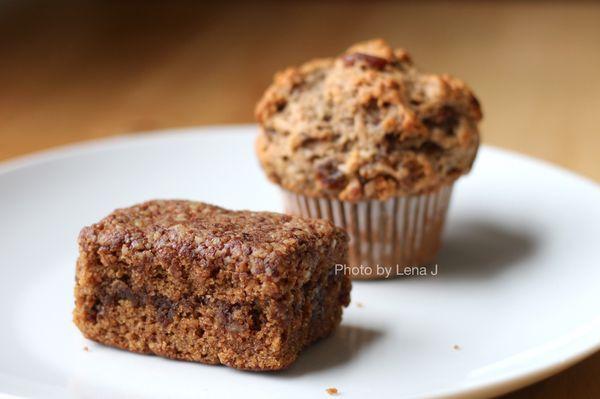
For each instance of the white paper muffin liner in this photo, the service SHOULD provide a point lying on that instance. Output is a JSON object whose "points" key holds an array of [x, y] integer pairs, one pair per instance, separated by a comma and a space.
{"points": [[394, 234]]}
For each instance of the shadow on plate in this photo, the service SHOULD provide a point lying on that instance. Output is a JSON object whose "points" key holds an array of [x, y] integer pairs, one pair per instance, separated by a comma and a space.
{"points": [[481, 249], [344, 345]]}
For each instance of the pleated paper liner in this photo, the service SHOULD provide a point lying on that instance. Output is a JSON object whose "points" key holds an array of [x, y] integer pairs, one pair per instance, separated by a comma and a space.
{"points": [[394, 234]]}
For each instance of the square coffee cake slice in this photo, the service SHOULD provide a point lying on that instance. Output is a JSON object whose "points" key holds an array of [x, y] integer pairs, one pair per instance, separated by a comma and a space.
{"points": [[191, 281]]}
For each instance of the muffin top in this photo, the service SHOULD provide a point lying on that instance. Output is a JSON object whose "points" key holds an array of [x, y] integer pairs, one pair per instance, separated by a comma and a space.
{"points": [[366, 125]]}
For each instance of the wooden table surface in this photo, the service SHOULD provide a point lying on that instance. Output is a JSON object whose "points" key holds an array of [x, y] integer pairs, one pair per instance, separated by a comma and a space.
{"points": [[72, 71]]}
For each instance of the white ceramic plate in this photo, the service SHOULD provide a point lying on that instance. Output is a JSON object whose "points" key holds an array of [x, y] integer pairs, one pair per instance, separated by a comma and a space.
{"points": [[517, 288]]}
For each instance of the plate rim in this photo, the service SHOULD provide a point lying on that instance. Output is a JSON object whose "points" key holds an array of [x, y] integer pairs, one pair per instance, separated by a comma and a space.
{"points": [[58, 152]]}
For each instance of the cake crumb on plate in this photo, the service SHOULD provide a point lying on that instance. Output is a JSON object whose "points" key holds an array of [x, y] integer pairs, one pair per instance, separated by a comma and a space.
{"points": [[332, 391]]}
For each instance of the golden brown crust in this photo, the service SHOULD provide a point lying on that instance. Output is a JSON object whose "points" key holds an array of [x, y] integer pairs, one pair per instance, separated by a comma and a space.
{"points": [[191, 281], [366, 125]]}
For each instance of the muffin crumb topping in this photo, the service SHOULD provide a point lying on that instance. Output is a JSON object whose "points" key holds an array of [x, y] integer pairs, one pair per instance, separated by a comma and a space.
{"points": [[366, 125]]}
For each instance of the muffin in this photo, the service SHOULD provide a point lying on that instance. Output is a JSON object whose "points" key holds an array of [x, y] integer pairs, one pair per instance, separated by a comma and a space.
{"points": [[369, 142]]}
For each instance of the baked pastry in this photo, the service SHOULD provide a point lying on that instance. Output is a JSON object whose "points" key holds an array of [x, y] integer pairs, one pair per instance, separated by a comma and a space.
{"points": [[191, 281], [372, 143]]}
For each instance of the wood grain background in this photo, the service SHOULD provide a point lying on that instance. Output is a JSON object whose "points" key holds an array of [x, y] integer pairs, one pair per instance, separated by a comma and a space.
{"points": [[72, 71]]}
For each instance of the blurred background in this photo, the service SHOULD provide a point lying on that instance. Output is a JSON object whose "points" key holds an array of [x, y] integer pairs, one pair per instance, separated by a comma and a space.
{"points": [[73, 71]]}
